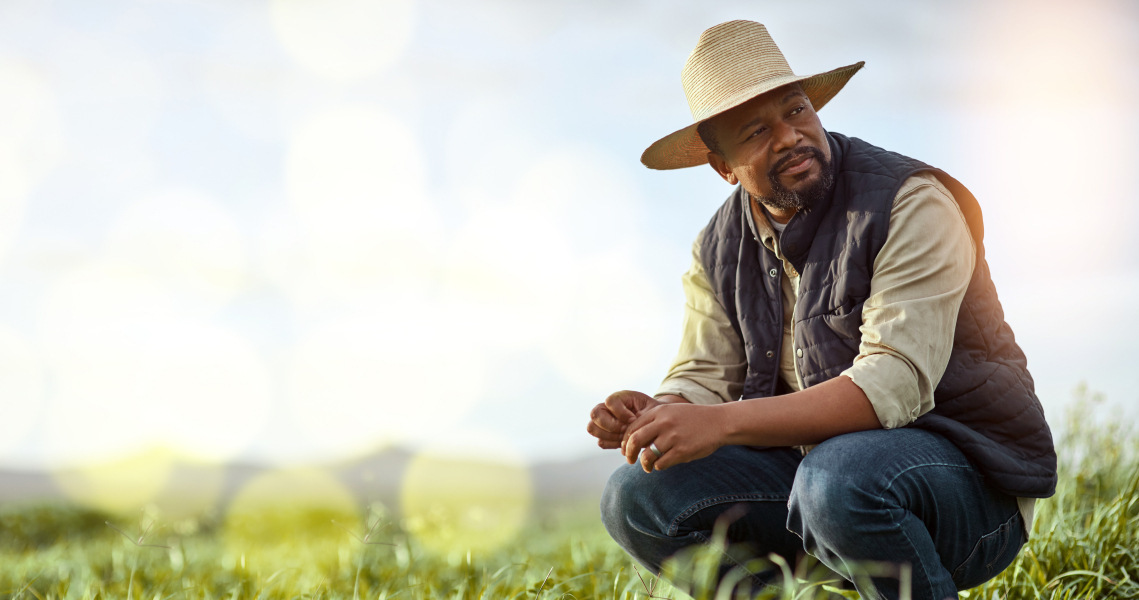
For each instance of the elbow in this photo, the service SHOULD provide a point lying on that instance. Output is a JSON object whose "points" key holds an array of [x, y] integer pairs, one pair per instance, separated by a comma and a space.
{"points": [[894, 389]]}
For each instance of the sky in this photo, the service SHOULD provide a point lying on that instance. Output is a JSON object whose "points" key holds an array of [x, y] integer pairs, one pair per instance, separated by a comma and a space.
{"points": [[289, 231]]}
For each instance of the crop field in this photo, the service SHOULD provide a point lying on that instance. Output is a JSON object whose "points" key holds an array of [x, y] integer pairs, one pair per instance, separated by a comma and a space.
{"points": [[1085, 544]]}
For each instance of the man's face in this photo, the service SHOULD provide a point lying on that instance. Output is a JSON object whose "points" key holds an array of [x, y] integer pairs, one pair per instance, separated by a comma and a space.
{"points": [[775, 146]]}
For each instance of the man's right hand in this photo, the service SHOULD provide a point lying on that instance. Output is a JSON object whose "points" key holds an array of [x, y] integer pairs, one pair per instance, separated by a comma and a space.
{"points": [[608, 420]]}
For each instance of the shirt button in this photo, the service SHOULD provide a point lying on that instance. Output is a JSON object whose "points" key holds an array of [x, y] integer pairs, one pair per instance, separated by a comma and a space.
{"points": [[770, 354], [773, 272], [799, 353]]}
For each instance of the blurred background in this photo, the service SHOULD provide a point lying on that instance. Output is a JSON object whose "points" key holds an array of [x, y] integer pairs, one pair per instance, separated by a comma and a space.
{"points": [[287, 232]]}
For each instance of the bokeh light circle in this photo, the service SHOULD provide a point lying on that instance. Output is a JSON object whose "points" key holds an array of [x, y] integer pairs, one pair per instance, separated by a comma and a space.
{"points": [[366, 381], [455, 504], [343, 40], [134, 369], [513, 293], [290, 518], [119, 485], [613, 330], [185, 242], [356, 184]]}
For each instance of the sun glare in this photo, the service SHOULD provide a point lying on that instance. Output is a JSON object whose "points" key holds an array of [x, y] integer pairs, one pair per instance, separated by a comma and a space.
{"points": [[1054, 117], [130, 382], [131, 344]]}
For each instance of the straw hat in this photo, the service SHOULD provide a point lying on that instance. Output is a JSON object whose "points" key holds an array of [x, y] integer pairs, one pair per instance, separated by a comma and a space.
{"points": [[732, 63]]}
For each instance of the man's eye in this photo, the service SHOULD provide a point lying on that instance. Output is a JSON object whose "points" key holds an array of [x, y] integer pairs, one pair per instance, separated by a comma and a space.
{"points": [[797, 110], [757, 132]]}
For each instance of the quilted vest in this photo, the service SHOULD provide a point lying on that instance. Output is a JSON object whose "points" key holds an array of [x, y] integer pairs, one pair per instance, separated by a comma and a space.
{"points": [[985, 403]]}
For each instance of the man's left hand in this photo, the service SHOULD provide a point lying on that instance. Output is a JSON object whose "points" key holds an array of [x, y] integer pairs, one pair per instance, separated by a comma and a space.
{"points": [[681, 432]]}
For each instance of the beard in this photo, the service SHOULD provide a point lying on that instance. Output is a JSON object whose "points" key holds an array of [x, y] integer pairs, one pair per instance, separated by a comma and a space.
{"points": [[785, 199]]}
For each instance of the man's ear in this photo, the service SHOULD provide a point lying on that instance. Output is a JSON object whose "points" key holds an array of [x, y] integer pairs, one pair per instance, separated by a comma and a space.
{"points": [[721, 167]]}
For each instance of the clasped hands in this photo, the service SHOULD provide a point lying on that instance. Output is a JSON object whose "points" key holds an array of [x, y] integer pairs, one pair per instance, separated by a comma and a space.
{"points": [[636, 423]]}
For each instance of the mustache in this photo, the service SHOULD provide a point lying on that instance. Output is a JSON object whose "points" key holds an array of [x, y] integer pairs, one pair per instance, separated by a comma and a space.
{"points": [[793, 155]]}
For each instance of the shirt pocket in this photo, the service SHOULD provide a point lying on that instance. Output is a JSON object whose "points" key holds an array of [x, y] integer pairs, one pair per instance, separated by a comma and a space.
{"points": [[846, 320]]}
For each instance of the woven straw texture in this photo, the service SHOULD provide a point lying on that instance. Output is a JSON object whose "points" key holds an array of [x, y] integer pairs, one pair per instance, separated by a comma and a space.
{"points": [[732, 63]]}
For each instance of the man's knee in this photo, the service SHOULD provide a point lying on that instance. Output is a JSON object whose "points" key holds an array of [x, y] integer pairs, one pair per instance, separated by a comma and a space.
{"points": [[635, 510], [623, 502], [835, 489], [852, 480]]}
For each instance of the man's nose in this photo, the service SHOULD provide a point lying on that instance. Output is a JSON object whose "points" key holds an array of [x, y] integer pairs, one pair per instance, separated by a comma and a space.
{"points": [[785, 137]]}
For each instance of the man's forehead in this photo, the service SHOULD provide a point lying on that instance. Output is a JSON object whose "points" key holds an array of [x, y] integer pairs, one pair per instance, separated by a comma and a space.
{"points": [[746, 111]]}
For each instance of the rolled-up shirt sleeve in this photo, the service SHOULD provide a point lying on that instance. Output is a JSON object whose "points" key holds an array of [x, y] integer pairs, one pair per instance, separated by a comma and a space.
{"points": [[920, 277], [710, 366]]}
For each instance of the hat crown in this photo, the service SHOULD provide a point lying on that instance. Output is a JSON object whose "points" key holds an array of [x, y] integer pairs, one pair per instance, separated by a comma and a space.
{"points": [[732, 63], [731, 60]]}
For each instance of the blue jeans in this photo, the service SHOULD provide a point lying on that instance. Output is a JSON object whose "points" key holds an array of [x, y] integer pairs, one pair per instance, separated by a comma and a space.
{"points": [[895, 497]]}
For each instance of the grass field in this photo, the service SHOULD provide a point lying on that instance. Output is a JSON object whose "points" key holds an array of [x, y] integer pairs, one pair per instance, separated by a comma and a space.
{"points": [[1085, 545]]}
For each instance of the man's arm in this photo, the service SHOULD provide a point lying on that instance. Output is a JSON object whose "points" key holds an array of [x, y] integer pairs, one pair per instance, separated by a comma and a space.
{"points": [[810, 416], [908, 321]]}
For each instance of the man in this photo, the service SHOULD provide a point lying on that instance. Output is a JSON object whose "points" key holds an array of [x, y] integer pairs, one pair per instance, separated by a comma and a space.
{"points": [[887, 415]]}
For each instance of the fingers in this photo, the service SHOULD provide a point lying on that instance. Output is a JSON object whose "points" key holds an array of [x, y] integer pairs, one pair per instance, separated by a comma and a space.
{"points": [[651, 462], [625, 404], [667, 458], [604, 419], [609, 422], [647, 459], [605, 427], [641, 420], [638, 439], [605, 439], [603, 434]]}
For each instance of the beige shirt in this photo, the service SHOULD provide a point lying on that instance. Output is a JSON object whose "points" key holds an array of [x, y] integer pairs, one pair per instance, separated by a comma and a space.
{"points": [[919, 278]]}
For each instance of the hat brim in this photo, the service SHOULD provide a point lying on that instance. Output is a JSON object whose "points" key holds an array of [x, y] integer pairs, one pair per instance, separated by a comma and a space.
{"points": [[684, 148]]}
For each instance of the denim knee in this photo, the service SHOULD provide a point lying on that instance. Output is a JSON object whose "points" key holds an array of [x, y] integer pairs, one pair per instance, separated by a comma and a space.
{"points": [[809, 510], [633, 518], [830, 497], [617, 502], [627, 504]]}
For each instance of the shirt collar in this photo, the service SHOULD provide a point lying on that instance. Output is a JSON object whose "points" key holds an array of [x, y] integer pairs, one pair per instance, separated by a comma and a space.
{"points": [[760, 227]]}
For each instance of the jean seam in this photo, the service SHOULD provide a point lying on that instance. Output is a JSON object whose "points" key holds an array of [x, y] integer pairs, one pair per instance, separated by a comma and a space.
{"points": [[1003, 529], [1006, 526], [918, 563], [890, 483], [674, 526], [902, 530]]}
